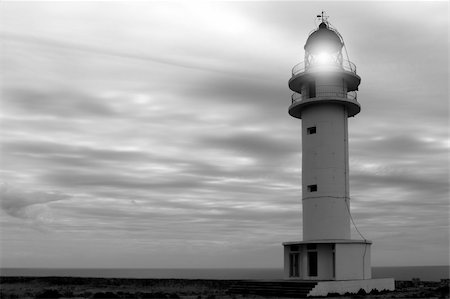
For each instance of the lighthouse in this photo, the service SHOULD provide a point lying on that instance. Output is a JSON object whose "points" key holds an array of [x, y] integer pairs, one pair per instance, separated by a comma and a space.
{"points": [[325, 89]]}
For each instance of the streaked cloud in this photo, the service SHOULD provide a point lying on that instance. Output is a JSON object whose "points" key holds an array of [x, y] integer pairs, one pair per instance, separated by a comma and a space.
{"points": [[162, 125], [27, 205]]}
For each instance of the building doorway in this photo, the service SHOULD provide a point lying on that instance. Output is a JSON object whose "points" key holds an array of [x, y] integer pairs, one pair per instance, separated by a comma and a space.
{"points": [[312, 263]]}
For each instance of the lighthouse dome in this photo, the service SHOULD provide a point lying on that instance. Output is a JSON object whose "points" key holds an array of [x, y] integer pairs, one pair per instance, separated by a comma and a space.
{"points": [[323, 39]]}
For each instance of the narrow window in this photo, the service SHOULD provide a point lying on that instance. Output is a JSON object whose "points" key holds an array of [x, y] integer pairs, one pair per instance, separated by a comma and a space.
{"points": [[312, 188], [294, 265], [311, 130], [334, 264]]}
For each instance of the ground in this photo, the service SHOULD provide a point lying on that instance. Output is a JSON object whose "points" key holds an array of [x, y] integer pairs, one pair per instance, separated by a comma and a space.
{"points": [[72, 287]]}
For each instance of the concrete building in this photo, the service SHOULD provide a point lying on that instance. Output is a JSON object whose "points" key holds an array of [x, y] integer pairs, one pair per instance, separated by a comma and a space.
{"points": [[325, 86]]}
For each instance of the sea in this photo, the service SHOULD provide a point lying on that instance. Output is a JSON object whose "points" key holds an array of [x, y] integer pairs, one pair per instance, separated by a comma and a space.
{"points": [[424, 273]]}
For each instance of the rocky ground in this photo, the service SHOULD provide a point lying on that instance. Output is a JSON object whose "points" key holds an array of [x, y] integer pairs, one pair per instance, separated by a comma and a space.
{"points": [[73, 287]]}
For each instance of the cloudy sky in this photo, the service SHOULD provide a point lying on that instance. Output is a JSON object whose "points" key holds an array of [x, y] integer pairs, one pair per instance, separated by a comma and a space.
{"points": [[156, 134]]}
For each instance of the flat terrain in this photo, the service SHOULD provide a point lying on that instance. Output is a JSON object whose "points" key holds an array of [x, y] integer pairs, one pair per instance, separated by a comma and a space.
{"points": [[74, 287]]}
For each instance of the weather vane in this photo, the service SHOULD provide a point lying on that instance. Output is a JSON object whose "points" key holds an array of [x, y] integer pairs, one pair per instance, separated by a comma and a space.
{"points": [[323, 17]]}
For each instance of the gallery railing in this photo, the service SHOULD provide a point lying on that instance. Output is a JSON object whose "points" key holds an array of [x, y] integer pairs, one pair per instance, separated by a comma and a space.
{"points": [[352, 95]]}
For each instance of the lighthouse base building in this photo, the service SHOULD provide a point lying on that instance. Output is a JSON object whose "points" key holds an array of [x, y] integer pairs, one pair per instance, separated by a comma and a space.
{"points": [[327, 260], [324, 99], [337, 266]]}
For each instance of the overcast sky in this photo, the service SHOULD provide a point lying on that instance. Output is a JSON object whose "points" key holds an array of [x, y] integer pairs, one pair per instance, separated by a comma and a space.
{"points": [[156, 134]]}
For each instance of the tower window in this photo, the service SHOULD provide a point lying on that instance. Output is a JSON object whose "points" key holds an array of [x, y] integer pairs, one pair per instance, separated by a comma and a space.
{"points": [[311, 130], [312, 188]]}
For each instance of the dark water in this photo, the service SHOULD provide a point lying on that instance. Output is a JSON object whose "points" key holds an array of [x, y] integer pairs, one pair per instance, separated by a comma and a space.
{"points": [[425, 273]]}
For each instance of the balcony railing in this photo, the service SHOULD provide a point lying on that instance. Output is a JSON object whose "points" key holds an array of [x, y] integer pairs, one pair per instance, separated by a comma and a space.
{"points": [[352, 95], [347, 65]]}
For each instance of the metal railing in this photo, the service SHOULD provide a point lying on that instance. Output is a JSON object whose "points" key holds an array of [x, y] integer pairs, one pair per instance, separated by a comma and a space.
{"points": [[346, 65], [352, 95]]}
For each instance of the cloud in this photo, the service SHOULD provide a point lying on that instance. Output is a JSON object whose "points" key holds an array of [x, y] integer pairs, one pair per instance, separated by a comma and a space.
{"points": [[410, 146], [27, 205], [405, 161], [51, 149], [104, 51], [254, 144], [63, 104]]}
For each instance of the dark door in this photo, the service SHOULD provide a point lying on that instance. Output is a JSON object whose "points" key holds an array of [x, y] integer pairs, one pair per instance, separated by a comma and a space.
{"points": [[312, 263]]}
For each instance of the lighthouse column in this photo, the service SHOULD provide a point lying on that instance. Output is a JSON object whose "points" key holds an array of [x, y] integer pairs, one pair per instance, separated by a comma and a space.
{"points": [[325, 173]]}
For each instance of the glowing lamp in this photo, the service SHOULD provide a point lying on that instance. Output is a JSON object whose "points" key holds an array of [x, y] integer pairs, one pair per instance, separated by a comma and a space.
{"points": [[324, 58], [323, 48]]}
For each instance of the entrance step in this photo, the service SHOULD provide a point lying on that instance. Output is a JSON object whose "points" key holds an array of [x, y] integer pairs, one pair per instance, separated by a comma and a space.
{"points": [[293, 289]]}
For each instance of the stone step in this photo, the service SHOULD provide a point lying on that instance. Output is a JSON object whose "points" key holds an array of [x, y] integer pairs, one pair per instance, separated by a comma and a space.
{"points": [[297, 289]]}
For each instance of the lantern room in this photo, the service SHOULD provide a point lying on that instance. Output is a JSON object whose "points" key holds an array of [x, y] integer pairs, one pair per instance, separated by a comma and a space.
{"points": [[323, 48]]}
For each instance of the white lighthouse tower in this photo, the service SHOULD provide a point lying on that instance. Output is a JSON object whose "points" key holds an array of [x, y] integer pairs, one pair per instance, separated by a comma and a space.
{"points": [[325, 86]]}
